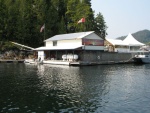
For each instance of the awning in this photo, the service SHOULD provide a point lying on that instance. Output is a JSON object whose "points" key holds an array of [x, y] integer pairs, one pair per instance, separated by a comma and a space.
{"points": [[117, 42], [58, 48], [23, 45]]}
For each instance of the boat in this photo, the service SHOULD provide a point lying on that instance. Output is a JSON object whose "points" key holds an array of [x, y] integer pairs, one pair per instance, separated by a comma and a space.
{"points": [[142, 58], [33, 61], [28, 60]]}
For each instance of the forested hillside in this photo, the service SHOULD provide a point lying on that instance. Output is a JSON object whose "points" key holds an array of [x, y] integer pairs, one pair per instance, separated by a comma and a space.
{"points": [[21, 20], [142, 36]]}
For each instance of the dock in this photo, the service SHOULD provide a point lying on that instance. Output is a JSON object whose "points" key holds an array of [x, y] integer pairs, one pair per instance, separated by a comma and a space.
{"points": [[70, 63], [11, 61], [83, 63], [56, 62]]}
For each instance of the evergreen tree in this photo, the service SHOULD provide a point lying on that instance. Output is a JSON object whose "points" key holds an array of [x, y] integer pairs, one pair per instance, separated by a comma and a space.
{"points": [[62, 27], [61, 7], [77, 9], [21, 20], [71, 15], [50, 18], [3, 19], [23, 32], [27, 23], [12, 19], [100, 25]]}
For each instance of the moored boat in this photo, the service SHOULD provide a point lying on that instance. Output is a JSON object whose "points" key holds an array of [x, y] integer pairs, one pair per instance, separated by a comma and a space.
{"points": [[33, 61], [144, 58], [28, 60]]}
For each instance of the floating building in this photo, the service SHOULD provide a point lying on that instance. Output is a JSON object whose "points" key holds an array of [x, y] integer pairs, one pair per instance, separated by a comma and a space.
{"points": [[83, 48]]}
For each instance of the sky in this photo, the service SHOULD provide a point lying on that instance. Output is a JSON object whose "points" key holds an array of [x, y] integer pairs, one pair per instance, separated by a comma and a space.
{"points": [[123, 16]]}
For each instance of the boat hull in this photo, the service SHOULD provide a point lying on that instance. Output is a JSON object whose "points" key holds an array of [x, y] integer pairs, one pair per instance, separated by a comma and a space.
{"points": [[138, 60], [145, 59]]}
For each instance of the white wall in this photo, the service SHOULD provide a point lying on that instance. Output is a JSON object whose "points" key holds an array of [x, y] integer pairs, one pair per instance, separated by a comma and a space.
{"points": [[49, 44], [70, 42], [122, 50], [63, 43], [41, 55], [93, 47], [77, 42], [127, 50], [93, 36]]}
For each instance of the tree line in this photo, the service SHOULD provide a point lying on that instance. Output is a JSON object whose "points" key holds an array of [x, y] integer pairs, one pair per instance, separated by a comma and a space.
{"points": [[21, 20]]}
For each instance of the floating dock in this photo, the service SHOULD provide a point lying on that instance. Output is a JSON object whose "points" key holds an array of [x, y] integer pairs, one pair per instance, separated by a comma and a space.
{"points": [[70, 63], [11, 61], [83, 63]]}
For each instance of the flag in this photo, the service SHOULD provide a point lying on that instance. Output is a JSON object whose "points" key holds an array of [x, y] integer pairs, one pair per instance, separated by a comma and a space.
{"points": [[82, 20], [42, 28]]}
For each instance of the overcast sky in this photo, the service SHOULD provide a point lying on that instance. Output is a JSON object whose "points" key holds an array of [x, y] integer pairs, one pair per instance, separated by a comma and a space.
{"points": [[123, 16]]}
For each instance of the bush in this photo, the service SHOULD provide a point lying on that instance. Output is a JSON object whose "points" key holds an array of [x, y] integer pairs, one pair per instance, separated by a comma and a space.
{"points": [[6, 46]]}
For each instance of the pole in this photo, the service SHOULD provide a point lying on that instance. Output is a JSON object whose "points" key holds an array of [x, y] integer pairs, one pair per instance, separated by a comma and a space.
{"points": [[44, 31], [84, 25]]}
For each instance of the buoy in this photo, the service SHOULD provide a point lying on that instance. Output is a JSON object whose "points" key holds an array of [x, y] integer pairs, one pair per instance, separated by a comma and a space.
{"points": [[98, 57]]}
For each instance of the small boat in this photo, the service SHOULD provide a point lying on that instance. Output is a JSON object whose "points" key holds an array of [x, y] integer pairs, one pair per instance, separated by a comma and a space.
{"points": [[142, 58], [28, 60], [33, 61]]}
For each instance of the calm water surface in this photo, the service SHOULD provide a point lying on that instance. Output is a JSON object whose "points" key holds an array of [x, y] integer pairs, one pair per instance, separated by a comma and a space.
{"points": [[28, 88]]}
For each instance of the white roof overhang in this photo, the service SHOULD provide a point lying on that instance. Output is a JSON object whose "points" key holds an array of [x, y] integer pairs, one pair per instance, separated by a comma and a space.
{"points": [[136, 44], [58, 48]]}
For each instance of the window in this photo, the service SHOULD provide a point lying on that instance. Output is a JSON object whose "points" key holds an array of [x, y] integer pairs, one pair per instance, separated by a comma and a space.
{"points": [[54, 43]]}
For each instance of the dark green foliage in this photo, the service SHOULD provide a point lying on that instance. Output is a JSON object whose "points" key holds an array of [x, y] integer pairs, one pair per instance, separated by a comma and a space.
{"points": [[100, 25], [21, 20], [3, 18], [5, 46], [142, 36]]}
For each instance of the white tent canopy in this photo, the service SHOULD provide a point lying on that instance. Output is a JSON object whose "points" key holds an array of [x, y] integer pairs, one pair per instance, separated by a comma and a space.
{"points": [[129, 44], [132, 41]]}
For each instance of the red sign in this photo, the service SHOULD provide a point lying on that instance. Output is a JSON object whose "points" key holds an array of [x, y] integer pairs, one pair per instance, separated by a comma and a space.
{"points": [[93, 42]]}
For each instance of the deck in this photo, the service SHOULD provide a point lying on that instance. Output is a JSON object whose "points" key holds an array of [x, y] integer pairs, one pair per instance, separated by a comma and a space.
{"points": [[69, 63]]}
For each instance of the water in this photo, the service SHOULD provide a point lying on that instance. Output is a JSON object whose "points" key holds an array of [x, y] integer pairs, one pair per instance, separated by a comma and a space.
{"points": [[28, 88]]}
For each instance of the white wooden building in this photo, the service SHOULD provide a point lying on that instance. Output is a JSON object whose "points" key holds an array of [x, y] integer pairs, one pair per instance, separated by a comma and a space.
{"points": [[73, 43]]}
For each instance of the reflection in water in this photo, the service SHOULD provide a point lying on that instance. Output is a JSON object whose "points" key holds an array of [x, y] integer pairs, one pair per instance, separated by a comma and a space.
{"points": [[70, 83], [59, 78], [54, 88]]}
